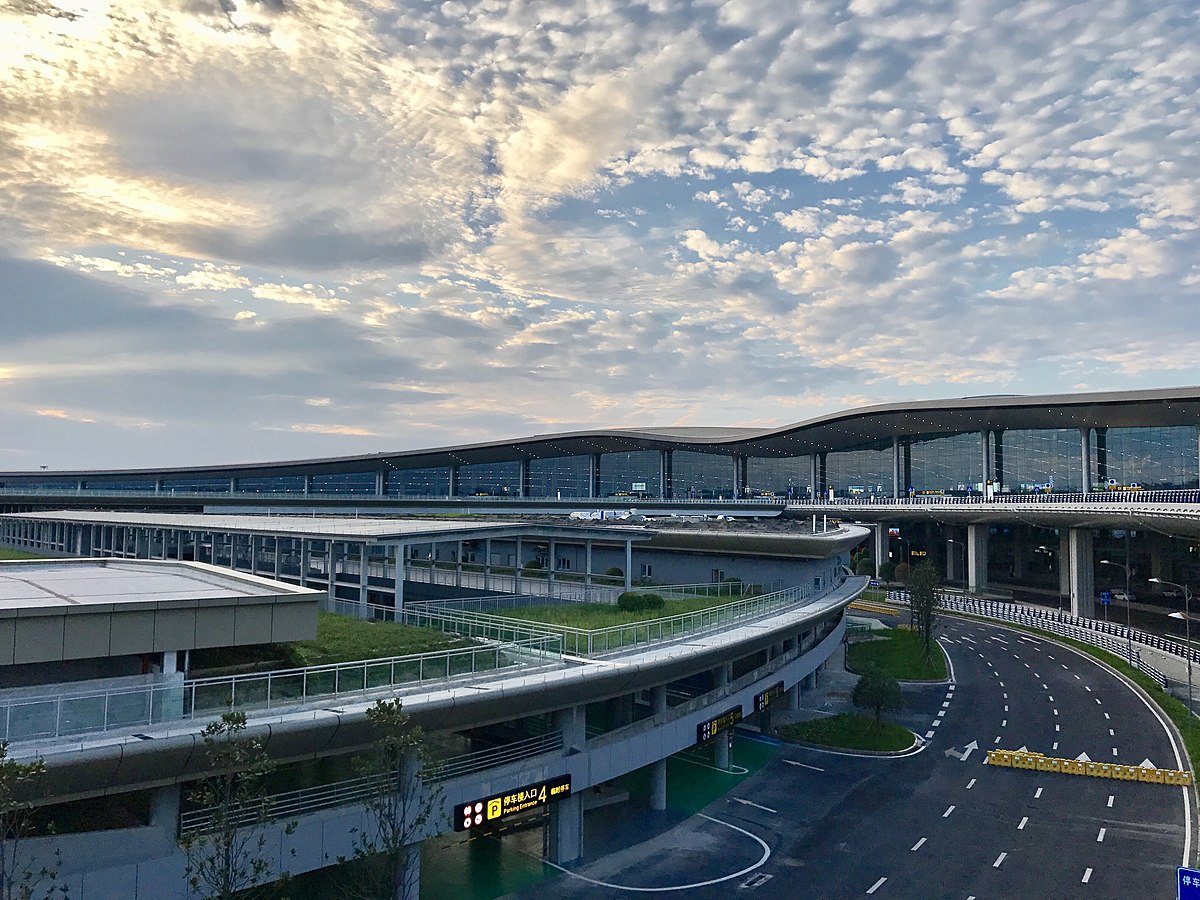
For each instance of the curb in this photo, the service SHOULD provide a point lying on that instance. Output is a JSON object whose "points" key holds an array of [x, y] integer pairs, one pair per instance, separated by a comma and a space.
{"points": [[850, 751]]}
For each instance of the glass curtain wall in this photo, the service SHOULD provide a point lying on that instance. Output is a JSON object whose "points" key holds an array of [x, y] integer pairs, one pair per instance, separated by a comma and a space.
{"points": [[109, 485], [863, 471], [501, 479], [281, 484], [706, 476], [944, 464], [1038, 460], [433, 482], [630, 474], [344, 483], [196, 485], [782, 476], [563, 475], [1152, 457]]}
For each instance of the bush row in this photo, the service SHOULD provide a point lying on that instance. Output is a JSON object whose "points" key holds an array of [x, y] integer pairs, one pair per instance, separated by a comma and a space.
{"points": [[631, 602]]}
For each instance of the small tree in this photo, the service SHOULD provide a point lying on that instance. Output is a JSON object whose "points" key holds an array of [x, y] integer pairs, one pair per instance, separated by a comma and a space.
{"points": [[398, 812], [901, 572], [864, 566], [19, 878], [923, 602], [887, 572], [879, 691], [230, 856]]}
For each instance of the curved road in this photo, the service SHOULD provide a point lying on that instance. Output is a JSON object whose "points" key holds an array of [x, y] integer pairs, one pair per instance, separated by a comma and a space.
{"points": [[933, 825]]}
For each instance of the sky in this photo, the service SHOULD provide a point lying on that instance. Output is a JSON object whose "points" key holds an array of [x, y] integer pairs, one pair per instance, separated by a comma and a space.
{"points": [[237, 231]]}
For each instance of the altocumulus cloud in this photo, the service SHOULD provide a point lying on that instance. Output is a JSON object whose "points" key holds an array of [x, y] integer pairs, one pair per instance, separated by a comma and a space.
{"points": [[454, 221]]}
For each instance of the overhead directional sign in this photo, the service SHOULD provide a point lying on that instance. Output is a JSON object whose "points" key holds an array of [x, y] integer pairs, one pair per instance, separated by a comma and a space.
{"points": [[706, 731], [1188, 886], [767, 697], [490, 810]]}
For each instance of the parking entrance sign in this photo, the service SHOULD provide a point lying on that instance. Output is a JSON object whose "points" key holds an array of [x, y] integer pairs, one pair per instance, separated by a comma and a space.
{"points": [[1189, 884]]}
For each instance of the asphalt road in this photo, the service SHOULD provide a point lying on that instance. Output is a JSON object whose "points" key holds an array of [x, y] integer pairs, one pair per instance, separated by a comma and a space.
{"points": [[932, 825]]}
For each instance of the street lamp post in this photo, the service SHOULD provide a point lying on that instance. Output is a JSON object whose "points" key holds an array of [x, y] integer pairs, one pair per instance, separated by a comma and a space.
{"points": [[1128, 599], [1187, 628]]}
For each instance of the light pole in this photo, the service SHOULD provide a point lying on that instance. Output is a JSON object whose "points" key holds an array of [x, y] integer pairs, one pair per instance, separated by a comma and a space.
{"points": [[1187, 628], [965, 579], [1128, 626]]}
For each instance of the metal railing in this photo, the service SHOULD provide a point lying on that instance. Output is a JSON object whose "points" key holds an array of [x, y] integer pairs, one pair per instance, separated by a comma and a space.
{"points": [[1105, 635], [1183, 496], [58, 715], [353, 791], [602, 641]]}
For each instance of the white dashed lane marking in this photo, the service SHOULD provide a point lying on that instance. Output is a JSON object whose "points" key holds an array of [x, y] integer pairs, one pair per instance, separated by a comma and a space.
{"points": [[919, 844]]}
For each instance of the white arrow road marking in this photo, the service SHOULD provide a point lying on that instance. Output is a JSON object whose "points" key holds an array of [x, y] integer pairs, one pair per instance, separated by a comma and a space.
{"points": [[1146, 764], [967, 751], [1083, 757]]}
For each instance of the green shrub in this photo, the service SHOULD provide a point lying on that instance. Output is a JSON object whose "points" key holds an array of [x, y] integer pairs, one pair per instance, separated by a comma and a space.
{"points": [[887, 572], [616, 572], [631, 602], [532, 566]]}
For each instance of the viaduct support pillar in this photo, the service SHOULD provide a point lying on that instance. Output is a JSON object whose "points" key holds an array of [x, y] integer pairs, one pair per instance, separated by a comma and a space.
{"points": [[1064, 565], [881, 546], [658, 770], [977, 557], [1083, 576], [566, 831]]}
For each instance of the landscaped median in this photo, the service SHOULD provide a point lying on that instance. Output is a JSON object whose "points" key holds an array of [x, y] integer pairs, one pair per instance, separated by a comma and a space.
{"points": [[850, 731], [900, 653]]}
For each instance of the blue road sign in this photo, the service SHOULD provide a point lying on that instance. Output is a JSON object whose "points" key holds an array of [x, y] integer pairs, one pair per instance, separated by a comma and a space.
{"points": [[1105, 598], [1189, 884]]}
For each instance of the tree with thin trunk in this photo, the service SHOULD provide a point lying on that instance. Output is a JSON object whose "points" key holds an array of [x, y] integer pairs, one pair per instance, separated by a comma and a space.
{"points": [[21, 878], [923, 604], [878, 691], [229, 857], [400, 811]]}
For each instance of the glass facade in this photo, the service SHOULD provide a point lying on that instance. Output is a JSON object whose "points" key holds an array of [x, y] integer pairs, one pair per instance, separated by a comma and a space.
{"points": [[630, 474], [565, 476], [1038, 461], [284, 484], [707, 476], [433, 482], [782, 476], [196, 485], [344, 483], [862, 472], [112, 485], [501, 479], [1155, 458], [943, 464]]}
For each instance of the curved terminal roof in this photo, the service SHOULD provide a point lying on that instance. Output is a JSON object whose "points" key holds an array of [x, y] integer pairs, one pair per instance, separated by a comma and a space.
{"points": [[830, 432]]}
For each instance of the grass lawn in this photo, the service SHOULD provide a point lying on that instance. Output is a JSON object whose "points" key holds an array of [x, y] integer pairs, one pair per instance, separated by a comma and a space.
{"points": [[603, 615], [851, 732], [339, 639], [900, 654], [16, 554]]}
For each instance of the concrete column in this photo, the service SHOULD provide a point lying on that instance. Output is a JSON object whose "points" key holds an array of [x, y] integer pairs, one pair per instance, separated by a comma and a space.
{"points": [[454, 481], [380, 483], [815, 488], [897, 469], [880, 546], [364, 559], [1159, 566], [487, 564], [986, 456], [170, 661], [1064, 564], [331, 562], [628, 565], [307, 485], [523, 478], [977, 558], [721, 748], [398, 578], [1086, 458], [458, 565], [953, 551], [517, 567], [622, 710], [658, 770], [303, 562], [664, 474], [278, 559], [594, 475], [572, 722], [587, 564], [553, 563], [1083, 576], [164, 809], [1018, 551], [566, 831]]}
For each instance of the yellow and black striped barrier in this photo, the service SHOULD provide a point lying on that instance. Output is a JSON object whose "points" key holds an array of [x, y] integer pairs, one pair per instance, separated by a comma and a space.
{"points": [[1039, 762]]}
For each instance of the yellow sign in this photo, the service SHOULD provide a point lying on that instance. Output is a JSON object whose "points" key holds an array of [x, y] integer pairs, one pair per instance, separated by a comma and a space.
{"points": [[501, 806], [1026, 759]]}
